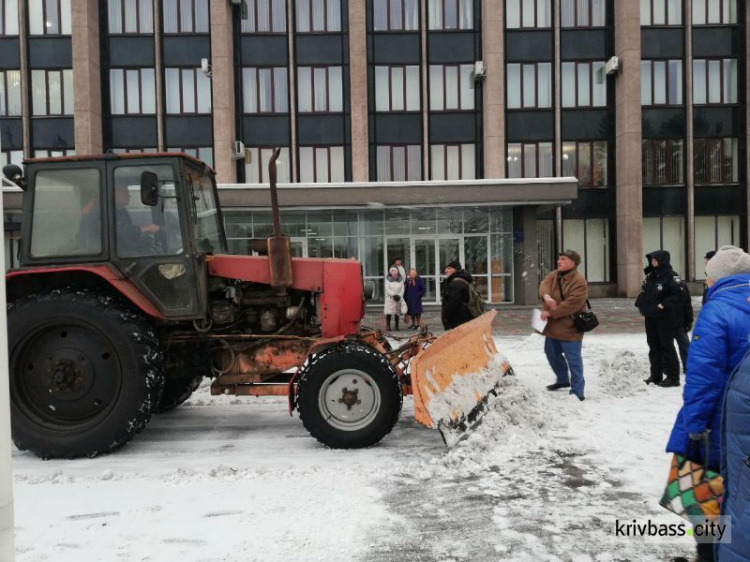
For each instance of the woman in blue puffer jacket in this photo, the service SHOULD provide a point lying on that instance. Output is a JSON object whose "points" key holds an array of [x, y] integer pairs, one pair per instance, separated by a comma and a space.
{"points": [[735, 464], [720, 341]]}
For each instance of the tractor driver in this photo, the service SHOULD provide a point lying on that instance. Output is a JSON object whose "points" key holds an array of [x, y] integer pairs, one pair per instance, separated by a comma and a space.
{"points": [[132, 240]]}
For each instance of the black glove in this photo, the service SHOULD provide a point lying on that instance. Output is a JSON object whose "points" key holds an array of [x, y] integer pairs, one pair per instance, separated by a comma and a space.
{"points": [[396, 298], [688, 327]]}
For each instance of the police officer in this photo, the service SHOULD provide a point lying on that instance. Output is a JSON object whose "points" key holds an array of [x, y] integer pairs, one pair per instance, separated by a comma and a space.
{"points": [[661, 293]]}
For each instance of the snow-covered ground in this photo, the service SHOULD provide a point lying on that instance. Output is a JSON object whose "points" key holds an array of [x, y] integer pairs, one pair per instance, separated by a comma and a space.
{"points": [[544, 478]]}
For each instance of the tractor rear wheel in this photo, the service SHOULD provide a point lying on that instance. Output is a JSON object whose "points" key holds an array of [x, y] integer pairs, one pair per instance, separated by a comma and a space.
{"points": [[85, 371], [177, 391], [349, 397]]}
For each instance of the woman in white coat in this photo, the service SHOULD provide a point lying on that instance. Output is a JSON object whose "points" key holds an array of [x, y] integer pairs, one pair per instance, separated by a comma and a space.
{"points": [[394, 294]]}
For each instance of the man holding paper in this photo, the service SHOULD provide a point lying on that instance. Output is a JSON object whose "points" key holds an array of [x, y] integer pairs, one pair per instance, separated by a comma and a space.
{"points": [[564, 293]]}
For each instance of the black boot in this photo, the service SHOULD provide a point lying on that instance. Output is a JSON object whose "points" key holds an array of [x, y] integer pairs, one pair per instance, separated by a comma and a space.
{"points": [[397, 323], [557, 386], [654, 380], [388, 322], [669, 382]]}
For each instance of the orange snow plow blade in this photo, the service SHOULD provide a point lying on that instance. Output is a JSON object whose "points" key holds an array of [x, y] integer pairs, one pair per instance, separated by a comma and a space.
{"points": [[454, 377]]}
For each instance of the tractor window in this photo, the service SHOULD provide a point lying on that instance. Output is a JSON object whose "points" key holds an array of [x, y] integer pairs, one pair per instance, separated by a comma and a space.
{"points": [[142, 230], [206, 215], [67, 214]]}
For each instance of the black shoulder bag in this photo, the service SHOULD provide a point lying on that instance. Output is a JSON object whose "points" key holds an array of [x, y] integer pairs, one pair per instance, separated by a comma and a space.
{"points": [[583, 321]]}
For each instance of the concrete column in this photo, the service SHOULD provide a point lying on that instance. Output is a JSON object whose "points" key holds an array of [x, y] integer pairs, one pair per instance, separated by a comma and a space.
{"points": [[689, 272], [222, 88], [425, 92], [526, 276], [558, 125], [87, 105], [493, 89], [358, 89], [23, 45], [293, 148], [159, 79], [628, 152]]}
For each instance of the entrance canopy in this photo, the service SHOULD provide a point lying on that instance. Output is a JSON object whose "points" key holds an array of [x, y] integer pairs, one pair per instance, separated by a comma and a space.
{"points": [[514, 192]]}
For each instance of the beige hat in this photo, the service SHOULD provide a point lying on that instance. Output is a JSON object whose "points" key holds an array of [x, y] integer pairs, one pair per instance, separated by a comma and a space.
{"points": [[729, 260]]}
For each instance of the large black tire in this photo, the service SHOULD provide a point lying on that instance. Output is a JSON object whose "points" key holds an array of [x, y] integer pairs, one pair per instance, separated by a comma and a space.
{"points": [[85, 373], [177, 391], [349, 397]]}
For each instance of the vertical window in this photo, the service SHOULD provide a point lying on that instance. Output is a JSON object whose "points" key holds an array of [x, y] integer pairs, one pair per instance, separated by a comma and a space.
{"points": [[130, 16], [530, 160], [10, 93], [49, 17], [661, 12], [667, 233], [395, 15], [661, 82], [451, 14], [591, 238], [714, 12], [319, 89], [663, 162], [256, 171], [584, 84], [185, 16], [318, 16], [203, 153], [11, 157], [586, 161], [528, 13], [452, 162], [582, 13], [132, 91], [265, 90], [8, 17], [397, 88], [716, 161], [53, 153], [529, 85], [399, 162], [714, 81], [188, 91], [263, 16], [321, 164], [713, 232], [450, 87], [52, 92]]}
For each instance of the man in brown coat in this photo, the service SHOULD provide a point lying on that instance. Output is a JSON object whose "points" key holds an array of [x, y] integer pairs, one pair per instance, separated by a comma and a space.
{"points": [[564, 292]]}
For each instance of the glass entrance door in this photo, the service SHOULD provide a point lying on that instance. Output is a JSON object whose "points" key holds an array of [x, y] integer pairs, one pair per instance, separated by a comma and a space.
{"points": [[449, 249], [396, 248], [423, 259], [477, 259], [299, 247]]}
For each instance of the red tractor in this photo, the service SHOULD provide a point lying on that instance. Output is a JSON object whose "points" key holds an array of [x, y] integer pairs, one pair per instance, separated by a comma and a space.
{"points": [[127, 298]]}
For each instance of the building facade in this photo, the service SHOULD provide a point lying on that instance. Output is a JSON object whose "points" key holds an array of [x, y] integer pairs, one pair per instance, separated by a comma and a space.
{"points": [[412, 92]]}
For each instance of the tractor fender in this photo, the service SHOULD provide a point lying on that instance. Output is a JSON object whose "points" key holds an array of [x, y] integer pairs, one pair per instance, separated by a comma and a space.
{"points": [[22, 282]]}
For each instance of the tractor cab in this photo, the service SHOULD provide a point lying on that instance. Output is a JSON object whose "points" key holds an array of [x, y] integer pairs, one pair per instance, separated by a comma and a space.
{"points": [[153, 217]]}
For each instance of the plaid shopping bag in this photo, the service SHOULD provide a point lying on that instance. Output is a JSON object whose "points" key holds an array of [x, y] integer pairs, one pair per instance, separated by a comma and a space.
{"points": [[692, 490]]}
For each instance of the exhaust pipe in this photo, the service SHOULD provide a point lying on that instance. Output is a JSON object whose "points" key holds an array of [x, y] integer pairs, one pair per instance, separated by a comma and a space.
{"points": [[279, 246]]}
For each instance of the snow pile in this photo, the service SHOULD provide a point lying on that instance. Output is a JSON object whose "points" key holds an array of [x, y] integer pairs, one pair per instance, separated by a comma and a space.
{"points": [[623, 374], [515, 422]]}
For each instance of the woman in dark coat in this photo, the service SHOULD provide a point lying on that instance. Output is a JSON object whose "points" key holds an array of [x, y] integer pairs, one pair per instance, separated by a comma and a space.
{"points": [[415, 290]]}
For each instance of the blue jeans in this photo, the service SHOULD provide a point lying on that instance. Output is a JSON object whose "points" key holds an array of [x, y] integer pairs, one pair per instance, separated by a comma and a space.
{"points": [[564, 355]]}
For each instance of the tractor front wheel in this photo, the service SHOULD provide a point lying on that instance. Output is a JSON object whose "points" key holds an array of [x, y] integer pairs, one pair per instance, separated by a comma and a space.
{"points": [[349, 397], [85, 371]]}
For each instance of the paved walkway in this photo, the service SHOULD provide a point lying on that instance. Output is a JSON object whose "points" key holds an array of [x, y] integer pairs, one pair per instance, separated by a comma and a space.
{"points": [[616, 316]]}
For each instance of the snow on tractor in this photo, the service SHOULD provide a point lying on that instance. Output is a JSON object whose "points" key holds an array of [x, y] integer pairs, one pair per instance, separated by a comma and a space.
{"points": [[126, 298]]}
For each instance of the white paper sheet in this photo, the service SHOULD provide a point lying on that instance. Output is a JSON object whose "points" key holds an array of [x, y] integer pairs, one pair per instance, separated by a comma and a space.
{"points": [[536, 320]]}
